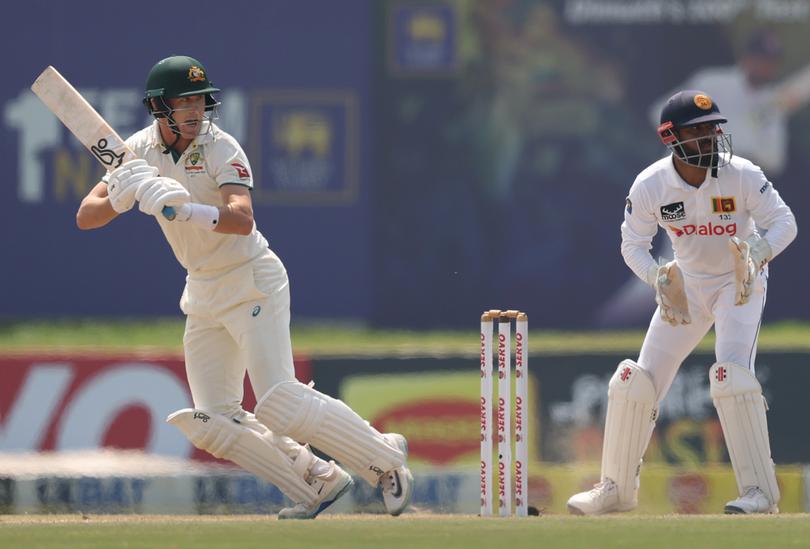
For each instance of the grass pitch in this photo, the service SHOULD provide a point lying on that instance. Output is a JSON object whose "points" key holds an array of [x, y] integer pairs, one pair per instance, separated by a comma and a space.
{"points": [[410, 531], [165, 335]]}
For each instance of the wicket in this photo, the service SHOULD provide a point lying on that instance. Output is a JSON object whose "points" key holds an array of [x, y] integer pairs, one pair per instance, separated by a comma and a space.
{"points": [[504, 439]]}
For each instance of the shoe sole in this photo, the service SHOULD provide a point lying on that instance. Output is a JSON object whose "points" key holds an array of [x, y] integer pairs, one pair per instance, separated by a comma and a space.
{"points": [[579, 512], [324, 504], [734, 510], [575, 510]]}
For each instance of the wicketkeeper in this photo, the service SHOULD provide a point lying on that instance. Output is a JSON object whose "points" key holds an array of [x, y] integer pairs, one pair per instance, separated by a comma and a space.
{"points": [[713, 206]]}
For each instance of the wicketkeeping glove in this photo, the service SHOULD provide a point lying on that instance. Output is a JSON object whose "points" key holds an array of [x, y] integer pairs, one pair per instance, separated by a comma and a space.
{"points": [[670, 293], [750, 256], [124, 181]]}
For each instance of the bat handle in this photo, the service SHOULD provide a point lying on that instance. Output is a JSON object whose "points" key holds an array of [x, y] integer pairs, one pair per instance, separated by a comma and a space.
{"points": [[169, 213]]}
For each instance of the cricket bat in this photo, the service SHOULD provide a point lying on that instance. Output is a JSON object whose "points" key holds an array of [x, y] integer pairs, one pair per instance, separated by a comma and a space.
{"points": [[84, 122]]}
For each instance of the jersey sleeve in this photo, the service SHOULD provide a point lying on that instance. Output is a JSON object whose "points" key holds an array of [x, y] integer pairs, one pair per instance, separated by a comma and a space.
{"points": [[769, 211], [231, 164], [638, 230]]}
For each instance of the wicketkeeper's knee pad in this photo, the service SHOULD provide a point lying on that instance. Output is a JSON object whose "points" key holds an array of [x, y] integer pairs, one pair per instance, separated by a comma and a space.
{"points": [[631, 414], [227, 439], [737, 396], [300, 412]]}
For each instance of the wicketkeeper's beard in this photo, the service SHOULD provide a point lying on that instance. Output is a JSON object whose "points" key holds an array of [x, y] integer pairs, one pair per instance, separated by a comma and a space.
{"points": [[701, 153]]}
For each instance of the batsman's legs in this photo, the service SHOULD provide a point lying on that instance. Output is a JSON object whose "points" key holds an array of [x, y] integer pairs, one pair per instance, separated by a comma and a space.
{"points": [[215, 376], [261, 455], [292, 409], [302, 413]]}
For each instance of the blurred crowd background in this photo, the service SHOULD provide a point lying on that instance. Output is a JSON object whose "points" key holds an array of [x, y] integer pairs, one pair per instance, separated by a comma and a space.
{"points": [[409, 157]]}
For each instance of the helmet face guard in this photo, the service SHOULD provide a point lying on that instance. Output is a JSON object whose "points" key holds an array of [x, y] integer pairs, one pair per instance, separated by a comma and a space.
{"points": [[690, 152], [159, 108], [687, 109]]}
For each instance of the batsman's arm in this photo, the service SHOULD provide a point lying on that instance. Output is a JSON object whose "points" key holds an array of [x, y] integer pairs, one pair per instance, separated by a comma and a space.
{"points": [[95, 210], [236, 216]]}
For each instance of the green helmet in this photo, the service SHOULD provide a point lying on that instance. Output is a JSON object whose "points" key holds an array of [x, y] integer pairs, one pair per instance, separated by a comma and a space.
{"points": [[177, 76]]}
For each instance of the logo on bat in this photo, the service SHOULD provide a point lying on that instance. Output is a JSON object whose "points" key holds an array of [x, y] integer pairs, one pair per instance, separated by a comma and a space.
{"points": [[106, 156]]}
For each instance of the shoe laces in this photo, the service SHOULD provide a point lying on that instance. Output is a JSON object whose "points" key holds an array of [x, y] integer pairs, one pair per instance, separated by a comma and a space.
{"points": [[602, 488], [751, 491], [390, 483]]}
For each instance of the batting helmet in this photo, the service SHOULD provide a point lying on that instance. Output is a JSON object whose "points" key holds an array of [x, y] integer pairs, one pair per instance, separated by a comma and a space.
{"points": [[177, 76]]}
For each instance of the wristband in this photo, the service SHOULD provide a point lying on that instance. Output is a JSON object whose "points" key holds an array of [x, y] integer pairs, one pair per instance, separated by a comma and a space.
{"points": [[201, 215]]}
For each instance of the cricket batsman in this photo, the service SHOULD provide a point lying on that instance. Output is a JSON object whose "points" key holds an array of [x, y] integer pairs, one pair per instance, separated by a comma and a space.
{"points": [[237, 307], [712, 205]]}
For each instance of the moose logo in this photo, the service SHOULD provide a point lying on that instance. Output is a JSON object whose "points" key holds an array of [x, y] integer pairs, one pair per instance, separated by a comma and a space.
{"points": [[673, 212]]}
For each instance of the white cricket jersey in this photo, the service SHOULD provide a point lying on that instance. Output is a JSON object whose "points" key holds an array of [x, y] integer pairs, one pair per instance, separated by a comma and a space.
{"points": [[210, 161], [700, 220]]}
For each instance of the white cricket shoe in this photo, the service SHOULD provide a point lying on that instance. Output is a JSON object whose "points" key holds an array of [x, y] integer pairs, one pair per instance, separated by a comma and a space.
{"points": [[397, 484], [331, 486], [753, 500], [602, 498]]}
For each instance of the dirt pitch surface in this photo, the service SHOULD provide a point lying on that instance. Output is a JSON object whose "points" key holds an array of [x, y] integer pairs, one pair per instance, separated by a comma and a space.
{"points": [[421, 531]]}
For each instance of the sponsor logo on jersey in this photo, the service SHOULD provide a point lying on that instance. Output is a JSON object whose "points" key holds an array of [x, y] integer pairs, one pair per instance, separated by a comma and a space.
{"points": [[710, 229], [628, 206], [723, 204], [673, 212], [196, 74], [765, 187], [241, 170]]}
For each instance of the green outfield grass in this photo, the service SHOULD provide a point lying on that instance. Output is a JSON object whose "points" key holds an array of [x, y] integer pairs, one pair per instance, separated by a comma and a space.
{"points": [[165, 335], [421, 532]]}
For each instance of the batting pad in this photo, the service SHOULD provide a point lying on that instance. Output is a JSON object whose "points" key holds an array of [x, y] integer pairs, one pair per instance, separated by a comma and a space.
{"points": [[737, 395], [631, 414], [306, 415], [227, 439]]}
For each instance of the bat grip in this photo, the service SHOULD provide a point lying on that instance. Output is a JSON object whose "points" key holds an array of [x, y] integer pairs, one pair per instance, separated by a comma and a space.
{"points": [[169, 213]]}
